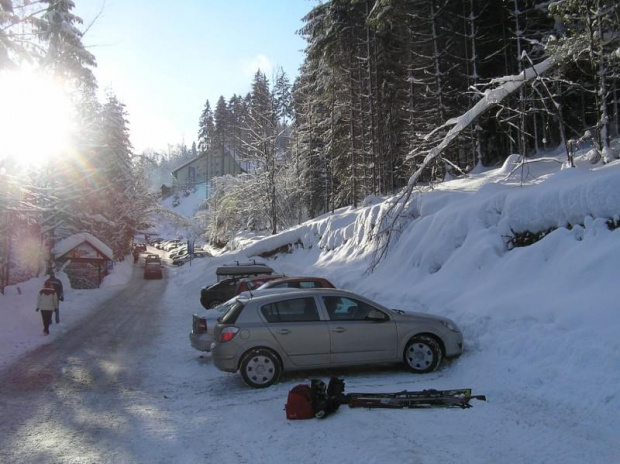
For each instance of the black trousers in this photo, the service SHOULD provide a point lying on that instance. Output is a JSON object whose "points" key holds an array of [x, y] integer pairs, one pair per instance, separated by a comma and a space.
{"points": [[47, 320]]}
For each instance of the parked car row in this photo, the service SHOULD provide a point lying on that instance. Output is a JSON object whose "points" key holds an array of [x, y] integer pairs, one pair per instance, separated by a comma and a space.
{"points": [[180, 260], [167, 245], [264, 324]]}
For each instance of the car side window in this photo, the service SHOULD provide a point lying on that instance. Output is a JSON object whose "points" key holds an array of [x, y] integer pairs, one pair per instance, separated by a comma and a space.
{"points": [[347, 309], [295, 310]]}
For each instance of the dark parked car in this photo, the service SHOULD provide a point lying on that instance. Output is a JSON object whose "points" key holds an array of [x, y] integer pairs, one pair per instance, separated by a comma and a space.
{"points": [[298, 282], [268, 333], [215, 295]]}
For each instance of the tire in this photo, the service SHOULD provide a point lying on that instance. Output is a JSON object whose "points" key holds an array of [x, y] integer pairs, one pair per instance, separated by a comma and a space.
{"points": [[214, 304], [260, 368], [422, 354]]}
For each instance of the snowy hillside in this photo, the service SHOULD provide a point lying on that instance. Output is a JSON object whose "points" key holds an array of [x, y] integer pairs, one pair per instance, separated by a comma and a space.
{"points": [[540, 322], [178, 218]]}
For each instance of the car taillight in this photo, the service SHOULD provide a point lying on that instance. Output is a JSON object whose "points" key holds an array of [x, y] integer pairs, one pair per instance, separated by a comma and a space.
{"points": [[228, 333], [202, 324]]}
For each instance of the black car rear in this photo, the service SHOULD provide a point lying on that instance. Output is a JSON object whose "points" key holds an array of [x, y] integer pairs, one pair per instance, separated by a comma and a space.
{"points": [[217, 294]]}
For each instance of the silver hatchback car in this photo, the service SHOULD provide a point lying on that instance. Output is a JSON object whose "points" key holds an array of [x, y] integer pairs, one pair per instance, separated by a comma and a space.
{"points": [[264, 335]]}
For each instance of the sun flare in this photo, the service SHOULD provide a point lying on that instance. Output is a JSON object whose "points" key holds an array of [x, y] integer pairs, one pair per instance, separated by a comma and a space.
{"points": [[35, 117]]}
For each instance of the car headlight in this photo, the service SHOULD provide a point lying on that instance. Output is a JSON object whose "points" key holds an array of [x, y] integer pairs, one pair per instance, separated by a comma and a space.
{"points": [[450, 326]]}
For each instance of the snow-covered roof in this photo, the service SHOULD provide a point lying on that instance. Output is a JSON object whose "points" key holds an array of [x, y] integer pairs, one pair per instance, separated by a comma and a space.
{"points": [[69, 243], [193, 160]]}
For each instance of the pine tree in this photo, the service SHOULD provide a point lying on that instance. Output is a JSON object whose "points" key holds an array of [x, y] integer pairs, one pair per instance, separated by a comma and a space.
{"points": [[114, 158], [66, 54], [205, 129], [221, 134]]}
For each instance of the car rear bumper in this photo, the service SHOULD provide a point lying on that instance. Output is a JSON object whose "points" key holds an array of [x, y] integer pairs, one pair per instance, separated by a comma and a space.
{"points": [[222, 360], [200, 341]]}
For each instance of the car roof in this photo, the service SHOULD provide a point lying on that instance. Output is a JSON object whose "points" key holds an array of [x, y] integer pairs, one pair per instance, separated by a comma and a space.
{"points": [[252, 294], [297, 279], [243, 269], [268, 293], [262, 277]]}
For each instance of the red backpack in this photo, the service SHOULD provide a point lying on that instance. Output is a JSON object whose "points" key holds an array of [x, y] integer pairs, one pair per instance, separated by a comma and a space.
{"points": [[299, 403]]}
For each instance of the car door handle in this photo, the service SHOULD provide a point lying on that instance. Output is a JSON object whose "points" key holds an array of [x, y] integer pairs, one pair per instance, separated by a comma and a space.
{"points": [[340, 329], [284, 332]]}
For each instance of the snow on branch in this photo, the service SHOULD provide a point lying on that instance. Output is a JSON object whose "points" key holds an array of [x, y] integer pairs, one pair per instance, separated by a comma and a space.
{"points": [[505, 86], [492, 97]]}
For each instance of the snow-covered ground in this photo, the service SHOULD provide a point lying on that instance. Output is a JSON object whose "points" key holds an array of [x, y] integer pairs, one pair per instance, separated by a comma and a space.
{"points": [[540, 324]]}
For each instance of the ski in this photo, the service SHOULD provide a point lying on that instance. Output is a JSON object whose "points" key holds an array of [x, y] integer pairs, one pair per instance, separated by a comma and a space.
{"points": [[415, 402], [431, 393], [458, 398]]}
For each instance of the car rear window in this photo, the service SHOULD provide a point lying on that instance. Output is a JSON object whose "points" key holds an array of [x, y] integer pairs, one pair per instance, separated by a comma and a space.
{"points": [[253, 284], [309, 284], [230, 317], [152, 266], [294, 310]]}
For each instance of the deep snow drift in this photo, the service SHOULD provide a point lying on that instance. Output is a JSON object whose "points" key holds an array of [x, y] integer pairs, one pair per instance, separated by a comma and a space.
{"points": [[540, 324]]}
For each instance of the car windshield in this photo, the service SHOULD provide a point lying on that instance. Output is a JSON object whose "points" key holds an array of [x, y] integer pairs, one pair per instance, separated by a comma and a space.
{"points": [[253, 285]]}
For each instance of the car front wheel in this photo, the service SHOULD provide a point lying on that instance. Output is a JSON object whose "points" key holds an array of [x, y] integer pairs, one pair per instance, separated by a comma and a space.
{"points": [[260, 368], [422, 354], [214, 304]]}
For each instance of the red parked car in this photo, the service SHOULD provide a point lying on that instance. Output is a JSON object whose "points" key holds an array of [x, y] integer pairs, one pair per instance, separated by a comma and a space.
{"points": [[298, 282], [153, 270], [252, 283]]}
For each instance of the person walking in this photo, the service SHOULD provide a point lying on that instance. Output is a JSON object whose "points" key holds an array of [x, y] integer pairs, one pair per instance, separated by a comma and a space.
{"points": [[57, 284], [47, 303]]}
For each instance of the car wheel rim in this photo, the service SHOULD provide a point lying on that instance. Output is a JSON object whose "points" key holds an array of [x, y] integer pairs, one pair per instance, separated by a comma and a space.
{"points": [[420, 356], [260, 370]]}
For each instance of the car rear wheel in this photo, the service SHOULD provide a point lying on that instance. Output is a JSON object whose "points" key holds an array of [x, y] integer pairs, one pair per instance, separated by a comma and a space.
{"points": [[260, 368], [422, 354], [214, 304]]}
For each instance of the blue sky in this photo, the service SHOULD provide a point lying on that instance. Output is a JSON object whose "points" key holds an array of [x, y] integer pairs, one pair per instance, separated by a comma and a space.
{"points": [[165, 59]]}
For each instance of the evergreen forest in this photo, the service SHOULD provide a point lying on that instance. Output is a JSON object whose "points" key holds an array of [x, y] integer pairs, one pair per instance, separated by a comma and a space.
{"points": [[392, 96]]}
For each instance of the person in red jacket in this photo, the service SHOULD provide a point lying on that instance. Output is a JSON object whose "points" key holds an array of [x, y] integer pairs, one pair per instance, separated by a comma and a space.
{"points": [[47, 303]]}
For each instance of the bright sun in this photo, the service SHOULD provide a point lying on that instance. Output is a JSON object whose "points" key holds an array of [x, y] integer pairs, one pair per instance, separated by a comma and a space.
{"points": [[35, 117]]}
